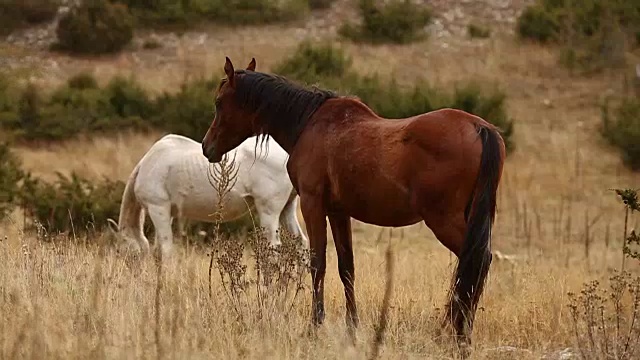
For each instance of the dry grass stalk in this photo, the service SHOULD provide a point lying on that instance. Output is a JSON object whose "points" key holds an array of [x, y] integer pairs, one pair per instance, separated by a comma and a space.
{"points": [[384, 308]]}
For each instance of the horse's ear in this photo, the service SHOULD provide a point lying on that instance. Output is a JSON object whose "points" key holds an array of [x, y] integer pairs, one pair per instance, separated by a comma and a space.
{"points": [[228, 69], [113, 226], [252, 65]]}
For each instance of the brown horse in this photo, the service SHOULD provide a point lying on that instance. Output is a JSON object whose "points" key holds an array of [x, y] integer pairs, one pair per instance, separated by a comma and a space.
{"points": [[442, 167]]}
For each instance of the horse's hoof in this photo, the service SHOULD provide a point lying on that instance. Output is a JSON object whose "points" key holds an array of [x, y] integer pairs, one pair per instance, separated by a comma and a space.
{"points": [[464, 348]]}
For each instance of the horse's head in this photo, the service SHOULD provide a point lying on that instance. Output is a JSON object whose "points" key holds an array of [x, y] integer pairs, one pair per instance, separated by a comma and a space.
{"points": [[232, 123]]}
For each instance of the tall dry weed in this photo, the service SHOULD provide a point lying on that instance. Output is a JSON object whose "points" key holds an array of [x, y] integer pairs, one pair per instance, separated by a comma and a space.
{"points": [[606, 319], [272, 284]]}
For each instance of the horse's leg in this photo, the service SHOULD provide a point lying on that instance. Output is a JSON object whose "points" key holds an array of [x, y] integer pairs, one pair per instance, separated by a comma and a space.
{"points": [[161, 217], [450, 231], [313, 212], [268, 212], [289, 219], [140, 237], [341, 230]]}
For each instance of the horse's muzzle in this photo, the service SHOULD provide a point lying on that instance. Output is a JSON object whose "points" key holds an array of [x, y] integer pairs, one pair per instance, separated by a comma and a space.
{"points": [[211, 154]]}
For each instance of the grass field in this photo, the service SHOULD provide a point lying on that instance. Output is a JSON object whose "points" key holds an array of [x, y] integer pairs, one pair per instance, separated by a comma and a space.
{"points": [[556, 216]]}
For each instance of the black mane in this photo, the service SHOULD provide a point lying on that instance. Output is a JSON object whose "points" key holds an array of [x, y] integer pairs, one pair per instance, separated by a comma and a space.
{"points": [[279, 103]]}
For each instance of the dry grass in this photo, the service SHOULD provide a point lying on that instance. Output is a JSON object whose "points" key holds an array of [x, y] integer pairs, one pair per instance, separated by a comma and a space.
{"points": [[78, 301], [113, 157]]}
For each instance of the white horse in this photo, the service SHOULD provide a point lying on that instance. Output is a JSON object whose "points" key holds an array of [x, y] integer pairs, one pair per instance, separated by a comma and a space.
{"points": [[173, 180]]}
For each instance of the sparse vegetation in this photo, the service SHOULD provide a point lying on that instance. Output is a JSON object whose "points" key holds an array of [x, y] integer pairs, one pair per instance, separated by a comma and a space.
{"points": [[621, 127], [593, 33], [311, 62], [15, 14], [83, 107], [11, 174], [71, 206], [397, 21], [320, 4], [478, 31], [234, 12], [95, 27]]}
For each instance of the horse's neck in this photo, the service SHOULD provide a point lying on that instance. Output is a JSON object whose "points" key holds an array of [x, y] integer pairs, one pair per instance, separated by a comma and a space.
{"points": [[281, 138]]}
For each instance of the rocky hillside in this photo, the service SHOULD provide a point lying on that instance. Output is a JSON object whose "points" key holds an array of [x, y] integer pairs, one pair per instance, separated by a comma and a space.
{"points": [[166, 51]]}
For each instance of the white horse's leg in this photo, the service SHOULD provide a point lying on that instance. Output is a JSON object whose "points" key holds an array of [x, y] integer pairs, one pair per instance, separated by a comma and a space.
{"points": [[289, 219], [141, 239], [269, 213], [161, 217]]}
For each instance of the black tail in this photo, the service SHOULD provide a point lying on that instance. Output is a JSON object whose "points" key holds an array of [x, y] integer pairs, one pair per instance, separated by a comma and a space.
{"points": [[475, 257]]}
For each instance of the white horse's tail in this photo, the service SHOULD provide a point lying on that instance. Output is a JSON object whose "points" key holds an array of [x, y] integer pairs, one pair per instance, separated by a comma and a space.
{"points": [[130, 223]]}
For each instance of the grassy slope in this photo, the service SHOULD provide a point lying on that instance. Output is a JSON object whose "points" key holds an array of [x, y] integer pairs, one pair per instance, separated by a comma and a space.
{"points": [[557, 178]]}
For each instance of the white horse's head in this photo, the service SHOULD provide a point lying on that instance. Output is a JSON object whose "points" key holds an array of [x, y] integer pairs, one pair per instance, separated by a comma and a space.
{"points": [[121, 242]]}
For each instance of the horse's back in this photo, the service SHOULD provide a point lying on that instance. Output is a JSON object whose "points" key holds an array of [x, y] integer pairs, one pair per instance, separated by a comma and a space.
{"points": [[264, 167], [174, 170], [369, 162]]}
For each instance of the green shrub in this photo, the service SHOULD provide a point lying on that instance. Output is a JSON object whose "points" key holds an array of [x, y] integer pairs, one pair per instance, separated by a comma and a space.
{"points": [[477, 31], [37, 11], [72, 205], [8, 104], [29, 107], [399, 21], [82, 81], [621, 127], [312, 62], [81, 106], [593, 32], [18, 13], [11, 174], [538, 23], [95, 27], [241, 12], [320, 4], [331, 68], [186, 13], [128, 99], [155, 12], [189, 112]]}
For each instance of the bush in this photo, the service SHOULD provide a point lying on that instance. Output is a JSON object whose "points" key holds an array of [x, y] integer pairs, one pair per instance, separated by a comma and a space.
{"points": [[621, 127], [95, 27], [594, 31], [188, 12], [331, 68], [399, 21], [82, 107], [11, 174], [243, 12], [128, 99], [538, 23], [320, 4], [188, 112], [72, 205], [477, 31], [8, 103], [311, 63], [18, 13]]}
